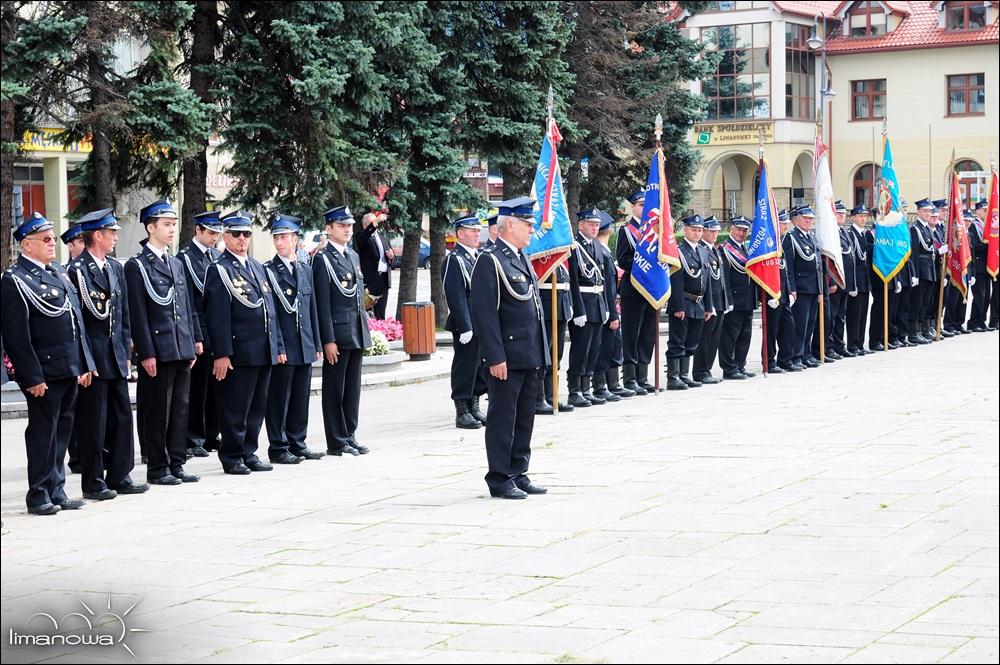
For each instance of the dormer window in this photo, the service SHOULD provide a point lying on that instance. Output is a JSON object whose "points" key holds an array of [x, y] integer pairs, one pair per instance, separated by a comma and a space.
{"points": [[866, 19], [965, 15]]}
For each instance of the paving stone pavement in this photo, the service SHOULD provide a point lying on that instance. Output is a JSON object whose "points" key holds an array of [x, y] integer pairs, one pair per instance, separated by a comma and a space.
{"points": [[857, 522]]}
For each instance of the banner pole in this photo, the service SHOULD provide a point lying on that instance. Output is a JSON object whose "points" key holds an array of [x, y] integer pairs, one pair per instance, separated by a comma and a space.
{"points": [[940, 309], [764, 351], [822, 328], [885, 315], [555, 344]]}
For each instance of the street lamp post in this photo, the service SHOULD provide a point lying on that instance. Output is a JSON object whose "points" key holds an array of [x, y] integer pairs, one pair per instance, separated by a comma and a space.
{"points": [[817, 43]]}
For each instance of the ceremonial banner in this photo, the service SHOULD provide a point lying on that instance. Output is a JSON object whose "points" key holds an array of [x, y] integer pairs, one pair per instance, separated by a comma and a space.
{"points": [[763, 247], [827, 229], [655, 246], [892, 236], [553, 237]]}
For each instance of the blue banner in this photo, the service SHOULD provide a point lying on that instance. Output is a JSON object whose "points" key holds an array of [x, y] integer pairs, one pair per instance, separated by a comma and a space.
{"points": [[650, 276], [763, 246], [892, 236], [553, 237]]}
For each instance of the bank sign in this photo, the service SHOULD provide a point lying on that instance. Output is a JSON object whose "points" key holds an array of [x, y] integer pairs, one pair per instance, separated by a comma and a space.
{"points": [[732, 133]]}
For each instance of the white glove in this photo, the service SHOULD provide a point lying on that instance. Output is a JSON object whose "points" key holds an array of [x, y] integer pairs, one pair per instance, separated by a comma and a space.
{"points": [[580, 320], [607, 315], [899, 287], [942, 250], [853, 294], [465, 337], [791, 299], [972, 281], [914, 281], [773, 303], [729, 309]]}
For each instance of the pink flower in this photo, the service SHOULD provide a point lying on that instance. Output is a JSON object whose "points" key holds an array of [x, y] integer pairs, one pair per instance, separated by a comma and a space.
{"points": [[390, 327]]}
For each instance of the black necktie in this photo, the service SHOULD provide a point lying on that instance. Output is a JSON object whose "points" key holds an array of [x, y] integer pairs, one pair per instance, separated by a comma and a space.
{"points": [[524, 260], [107, 274]]}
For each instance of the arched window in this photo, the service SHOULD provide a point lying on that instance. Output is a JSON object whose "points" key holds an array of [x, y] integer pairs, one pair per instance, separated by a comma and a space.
{"points": [[866, 180], [971, 181]]}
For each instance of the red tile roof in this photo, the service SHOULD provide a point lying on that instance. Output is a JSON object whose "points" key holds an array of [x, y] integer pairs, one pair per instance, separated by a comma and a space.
{"points": [[810, 9], [919, 29]]}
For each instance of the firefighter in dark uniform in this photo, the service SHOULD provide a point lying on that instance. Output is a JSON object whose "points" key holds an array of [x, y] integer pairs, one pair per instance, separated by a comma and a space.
{"points": [[923, 279], [894, 289], [858, 299], [742, 294], [711, 332], [104, 409], [979, 237], [640, 323], [590, 308], [72, 237], [246, 342], [343, 331], [806, 281], [197, 256], [564, 312], [507, 316], [287, 417], [781, 335], [955, 303], [940, 298], [167, 337], [468, 382], [607, 379], [690, 304], [45, 339], [836, 335]]}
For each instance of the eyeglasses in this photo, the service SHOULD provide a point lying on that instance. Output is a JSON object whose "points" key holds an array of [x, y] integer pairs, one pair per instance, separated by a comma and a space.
{"points": [[241, 234], [46, 239]]}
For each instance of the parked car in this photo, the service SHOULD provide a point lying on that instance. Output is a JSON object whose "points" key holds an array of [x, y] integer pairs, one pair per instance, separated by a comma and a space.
{"points": [[423, 257]]}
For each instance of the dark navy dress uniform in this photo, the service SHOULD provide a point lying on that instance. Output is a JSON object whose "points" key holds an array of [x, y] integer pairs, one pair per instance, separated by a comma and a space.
{"points": [[564, 312], [691, 293], [979, 235], [242, 326], [836, 334], [640, 325], [711, 332], [165, 326], [104, 409], [468, 381], [590, 308], [45, 339], [743, 295], [806, 281], [922, 261], [607, 379], [203, 416], [507, 315], [340, 308], [857, 304], [288, 404]]}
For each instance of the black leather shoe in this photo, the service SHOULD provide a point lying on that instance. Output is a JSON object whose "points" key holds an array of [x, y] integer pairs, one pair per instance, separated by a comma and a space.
{"points": [[165, 480], [543, 408], [143, 460], [977, 329], [103, 495], [876, 347], [607, 395], [733, 376], [690, 383], [622, 391], [199, 451], [131, 488], [285, 458], [963, 331], [919, 339], [831, 358], [346, 450], [747, 374], [512, 493], [811, 363], [531, 488], [594, 399], [184, 476], [577, 400], [362, 450], [847, 353], [188, 454], [708, 379], [259, 466], [240, 469], [775, 369], [800, 366], [71, 504], [634, 388], [648, 387], [44, 509], [894, 345], [310, 454]]}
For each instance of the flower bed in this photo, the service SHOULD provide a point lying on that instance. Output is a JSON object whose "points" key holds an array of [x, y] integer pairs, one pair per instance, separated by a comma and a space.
{"points": [[390, 327]]}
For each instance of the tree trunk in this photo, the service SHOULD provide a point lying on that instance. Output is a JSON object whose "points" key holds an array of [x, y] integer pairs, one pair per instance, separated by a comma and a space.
{"points": [[204, 28], [100, 157], [574, 182], [9, 150], [438, 250], [408, 268]]}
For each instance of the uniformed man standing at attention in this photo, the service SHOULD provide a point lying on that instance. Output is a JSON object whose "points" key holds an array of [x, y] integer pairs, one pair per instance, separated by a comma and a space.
{"points": [[197, 256], [805, 281], [590, 309], [467, 380], [607, 380], [72, 238], [104, 409], [343, 330], [640, 323], [743, 294], [246, 341], [690, 304], [45, 339], [858, 300], [287, 416], [167, 337], [711, 332], [507, 315], [564, 312]]}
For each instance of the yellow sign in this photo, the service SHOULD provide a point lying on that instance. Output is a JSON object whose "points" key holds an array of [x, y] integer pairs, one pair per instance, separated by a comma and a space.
{"points": [[732, 133], [44, 140]]}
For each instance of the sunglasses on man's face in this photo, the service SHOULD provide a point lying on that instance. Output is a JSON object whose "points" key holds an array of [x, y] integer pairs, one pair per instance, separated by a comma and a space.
{"points": [[241, 234], [46, 239]]}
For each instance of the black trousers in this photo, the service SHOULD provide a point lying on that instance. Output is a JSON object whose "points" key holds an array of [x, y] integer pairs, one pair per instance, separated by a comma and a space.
{"points": [[932, 299], [981, 300], [708, 346], [921, 297], [804, 311], [877, 328], [685, 334], [162, 411], [379, 287], [50, 425], [734, 344], [639, 330], [585, 345], [287, 417], [545, 375], [899, 311], [104, 431], [509, 424], [836, 334], [203, 412], [242, 405], [781, 336], [611, 349], [341, 398], [468, 376], [857, 317], [954, 309]]}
